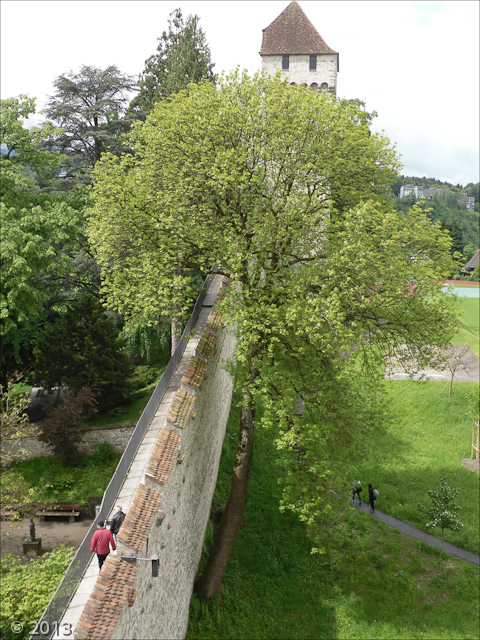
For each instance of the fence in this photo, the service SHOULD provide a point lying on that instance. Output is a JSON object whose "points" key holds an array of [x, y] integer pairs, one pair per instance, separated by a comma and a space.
{"points": [[475, 447], [62, 597]]}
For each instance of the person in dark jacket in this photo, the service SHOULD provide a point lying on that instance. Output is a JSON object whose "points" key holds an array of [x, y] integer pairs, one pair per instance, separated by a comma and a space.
{"points": [[116, 522], [371, 498], [101, 541]]}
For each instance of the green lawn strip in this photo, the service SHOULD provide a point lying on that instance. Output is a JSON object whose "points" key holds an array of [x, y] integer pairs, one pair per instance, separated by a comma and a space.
{"points": [[55, 483], [428, 436], [130, 413], [469, 324], [373, 582]]}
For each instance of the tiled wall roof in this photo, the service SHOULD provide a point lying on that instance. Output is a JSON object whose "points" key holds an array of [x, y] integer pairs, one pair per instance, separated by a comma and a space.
{"points": [[194, 375], [139, 519], [206, 345], [181, 409], [214, 320], [163, 455], [110, 593], [292, 33]]}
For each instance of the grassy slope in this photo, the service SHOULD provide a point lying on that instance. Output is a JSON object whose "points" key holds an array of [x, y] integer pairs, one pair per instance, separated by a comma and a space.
{"points": [[428, 437], [377, 583]]}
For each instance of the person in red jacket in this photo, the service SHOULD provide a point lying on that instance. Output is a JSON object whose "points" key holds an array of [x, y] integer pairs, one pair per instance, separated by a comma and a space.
{"points": [[101, 541]]}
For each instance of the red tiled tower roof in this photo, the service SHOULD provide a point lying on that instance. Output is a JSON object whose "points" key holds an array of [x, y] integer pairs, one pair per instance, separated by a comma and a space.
{"points": [[292, 33]]}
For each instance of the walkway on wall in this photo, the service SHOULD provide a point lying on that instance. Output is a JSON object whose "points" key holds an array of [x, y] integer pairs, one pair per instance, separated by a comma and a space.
{"points": [[413, 532], [136, 472]]}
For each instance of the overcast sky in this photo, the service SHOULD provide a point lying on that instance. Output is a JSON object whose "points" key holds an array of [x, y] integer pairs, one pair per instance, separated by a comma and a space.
{"points": [[415, 63]]}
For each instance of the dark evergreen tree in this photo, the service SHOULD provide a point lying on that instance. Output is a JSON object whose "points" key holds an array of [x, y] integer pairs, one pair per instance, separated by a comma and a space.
{"points": [[83, 349], [455, 231], [183, 56]]}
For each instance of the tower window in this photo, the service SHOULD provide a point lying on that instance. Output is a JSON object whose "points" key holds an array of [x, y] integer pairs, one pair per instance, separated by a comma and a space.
{"points": [[313, 63], [285, 62]]}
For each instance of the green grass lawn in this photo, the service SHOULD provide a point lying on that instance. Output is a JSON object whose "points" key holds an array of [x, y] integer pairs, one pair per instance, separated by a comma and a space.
{"points": [[428, 436], [469, 324], [373, 582]]}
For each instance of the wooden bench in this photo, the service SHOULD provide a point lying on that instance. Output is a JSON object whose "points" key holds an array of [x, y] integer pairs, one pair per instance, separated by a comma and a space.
{"points": [[55, 510], [9, 514]]}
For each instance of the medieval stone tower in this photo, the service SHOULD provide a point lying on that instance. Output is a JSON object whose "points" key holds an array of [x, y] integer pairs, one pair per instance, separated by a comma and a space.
{"points": [[293, 45]]}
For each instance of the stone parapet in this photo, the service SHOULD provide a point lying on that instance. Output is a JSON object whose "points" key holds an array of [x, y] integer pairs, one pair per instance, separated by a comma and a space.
{"points": [[169, 513]]}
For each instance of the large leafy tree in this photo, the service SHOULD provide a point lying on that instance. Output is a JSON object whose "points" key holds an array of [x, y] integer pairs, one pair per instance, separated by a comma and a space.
{"points": [[286, 192], [38, 230], [183, 56], [90, 106]]}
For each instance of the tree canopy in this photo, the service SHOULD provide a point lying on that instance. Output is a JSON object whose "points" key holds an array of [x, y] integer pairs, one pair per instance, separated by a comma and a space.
{"points": [[90, 106], [286, 191], [183, 56], [38, 229]]}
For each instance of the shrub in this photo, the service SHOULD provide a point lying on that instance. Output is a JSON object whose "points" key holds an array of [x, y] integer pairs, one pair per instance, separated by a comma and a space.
{"points": [[60, 430], [28, 588], [103, 454]]}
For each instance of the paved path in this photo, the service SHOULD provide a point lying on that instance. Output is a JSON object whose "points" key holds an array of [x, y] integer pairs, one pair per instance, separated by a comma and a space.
{"points": [[413, 532]]}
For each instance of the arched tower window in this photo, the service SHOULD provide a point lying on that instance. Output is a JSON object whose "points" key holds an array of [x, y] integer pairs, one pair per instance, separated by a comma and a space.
{"points": [[324, 86], [314, 86]]}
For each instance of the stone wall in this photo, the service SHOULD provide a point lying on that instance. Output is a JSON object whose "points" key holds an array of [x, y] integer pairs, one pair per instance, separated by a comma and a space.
{"points": [[116, 435], [300, 72], [178, 527], [169, 511]]}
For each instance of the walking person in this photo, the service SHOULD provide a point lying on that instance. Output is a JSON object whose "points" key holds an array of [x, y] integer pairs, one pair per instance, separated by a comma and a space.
{"points": [[357, 488], [116, 522], [102, 539], [372, 496]]}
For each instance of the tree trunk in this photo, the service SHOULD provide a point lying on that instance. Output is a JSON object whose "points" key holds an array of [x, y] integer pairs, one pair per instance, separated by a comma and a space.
{"points": [[209, 584], [176, 332]]}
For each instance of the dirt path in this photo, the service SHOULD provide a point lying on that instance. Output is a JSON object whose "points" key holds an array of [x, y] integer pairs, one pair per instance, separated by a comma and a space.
{"points": [[53, 533], [468, 369]]}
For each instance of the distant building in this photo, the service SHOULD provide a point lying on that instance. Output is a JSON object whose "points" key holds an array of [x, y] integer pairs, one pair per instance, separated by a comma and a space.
{"points": [[470, 203], [293, 45], [472, 263], [430, 192], [418, 192]]}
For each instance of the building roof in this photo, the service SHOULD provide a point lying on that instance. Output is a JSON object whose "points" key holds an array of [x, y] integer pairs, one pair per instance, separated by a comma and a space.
{"points": [[292, 33], [472, 263]]}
